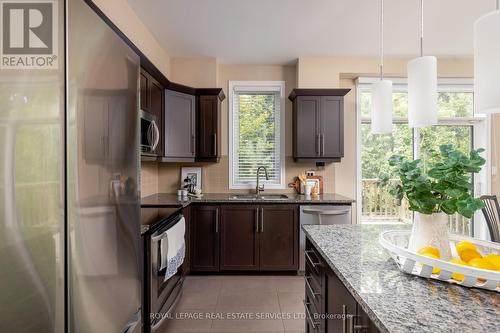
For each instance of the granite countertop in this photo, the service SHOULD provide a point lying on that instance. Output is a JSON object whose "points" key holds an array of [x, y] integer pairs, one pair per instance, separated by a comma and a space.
{"points": [[171, 200], [395, 301]]}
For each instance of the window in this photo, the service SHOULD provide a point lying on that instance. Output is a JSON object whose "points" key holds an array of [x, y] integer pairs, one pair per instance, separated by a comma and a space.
{"points": [[457, 124], [256, 133]]}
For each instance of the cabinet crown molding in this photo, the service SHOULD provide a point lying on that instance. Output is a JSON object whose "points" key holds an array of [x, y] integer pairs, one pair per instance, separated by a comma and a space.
{"points": [[317, 92]]}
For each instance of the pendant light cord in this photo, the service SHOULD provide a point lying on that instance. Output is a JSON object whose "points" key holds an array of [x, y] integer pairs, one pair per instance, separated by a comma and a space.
{"points": [[422, 28], [381, 39]]}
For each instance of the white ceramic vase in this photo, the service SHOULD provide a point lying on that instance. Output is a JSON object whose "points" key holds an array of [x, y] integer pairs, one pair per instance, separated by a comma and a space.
{"points": [[431, 230]]}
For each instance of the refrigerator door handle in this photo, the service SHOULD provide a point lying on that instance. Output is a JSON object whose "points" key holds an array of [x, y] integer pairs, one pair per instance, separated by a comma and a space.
{"points": [[132, 324]]}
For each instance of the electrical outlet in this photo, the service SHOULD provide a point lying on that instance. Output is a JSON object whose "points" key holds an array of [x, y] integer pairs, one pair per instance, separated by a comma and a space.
{"points": [[309, 173]]}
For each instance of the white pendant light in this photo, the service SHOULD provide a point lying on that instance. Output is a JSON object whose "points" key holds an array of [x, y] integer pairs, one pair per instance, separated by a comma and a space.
{"points": [[487, 63], [422, 86], [382, 91]]}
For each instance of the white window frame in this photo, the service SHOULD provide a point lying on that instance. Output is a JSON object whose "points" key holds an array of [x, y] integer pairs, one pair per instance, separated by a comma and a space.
{"points": [[481, 130], [255, 86]]}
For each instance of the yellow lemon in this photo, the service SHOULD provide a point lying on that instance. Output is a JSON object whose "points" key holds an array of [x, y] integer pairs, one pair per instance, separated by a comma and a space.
{"points": [[494, 259], [469, 254], [458, 276], [429, 249], [463, 245], [435, 270], [482, 263]]}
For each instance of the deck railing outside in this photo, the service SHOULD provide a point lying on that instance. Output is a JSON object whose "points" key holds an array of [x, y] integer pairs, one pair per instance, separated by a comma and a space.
{"points": [[378, 205]]}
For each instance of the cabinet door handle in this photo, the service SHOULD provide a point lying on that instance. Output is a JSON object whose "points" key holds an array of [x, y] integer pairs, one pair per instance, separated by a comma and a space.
{"points": [[344, 314], [322, 136], [347, 321], [262, 220], [308, 257], [256, 220], [216, 221], [359, 327], [192, 144], [318, 148], [308, 285], [215, 144], [308, 315]]}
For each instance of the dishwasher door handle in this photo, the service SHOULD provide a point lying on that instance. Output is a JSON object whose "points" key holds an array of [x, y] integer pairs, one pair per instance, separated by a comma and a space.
{"points": [[326, 212]]}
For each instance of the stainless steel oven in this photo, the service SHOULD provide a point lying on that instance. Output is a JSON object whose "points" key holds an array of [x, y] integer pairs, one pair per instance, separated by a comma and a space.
{"points": [[150, 134], [160, 294]]}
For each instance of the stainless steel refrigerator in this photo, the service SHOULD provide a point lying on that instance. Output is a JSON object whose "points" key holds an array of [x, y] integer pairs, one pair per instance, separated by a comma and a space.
{"points": [[69, 182]]}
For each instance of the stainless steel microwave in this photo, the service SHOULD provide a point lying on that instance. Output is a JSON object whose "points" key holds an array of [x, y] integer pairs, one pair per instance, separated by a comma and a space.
{"points": [[150, 134]]}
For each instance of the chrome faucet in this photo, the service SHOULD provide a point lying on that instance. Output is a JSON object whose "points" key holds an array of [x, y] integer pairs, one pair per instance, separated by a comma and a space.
{"points": [[260, 188]]}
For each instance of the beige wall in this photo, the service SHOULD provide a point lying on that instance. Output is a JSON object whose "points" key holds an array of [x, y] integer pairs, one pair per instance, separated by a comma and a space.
{"points": [[194, 72], [129, 23], [326, 72]]}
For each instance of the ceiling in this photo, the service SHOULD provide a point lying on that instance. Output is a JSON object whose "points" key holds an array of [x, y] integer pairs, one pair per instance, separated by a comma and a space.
{"points": [[280, 31]]}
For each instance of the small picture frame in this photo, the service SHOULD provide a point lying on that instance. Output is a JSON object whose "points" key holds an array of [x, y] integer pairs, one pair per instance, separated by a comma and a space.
{"points": [[194, 174]]}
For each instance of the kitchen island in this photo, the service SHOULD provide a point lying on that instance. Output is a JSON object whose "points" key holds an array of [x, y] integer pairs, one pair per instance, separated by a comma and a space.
{"points": [[384, 299]]}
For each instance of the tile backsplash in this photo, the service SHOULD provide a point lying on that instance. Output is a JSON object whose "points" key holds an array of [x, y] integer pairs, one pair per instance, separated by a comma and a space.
{"points": [[166, 177], [149, 178]]}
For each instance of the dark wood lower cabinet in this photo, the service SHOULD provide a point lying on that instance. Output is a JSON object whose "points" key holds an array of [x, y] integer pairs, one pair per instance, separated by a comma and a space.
{"points": [[205, 233], [279, 238], [244, 238], [329, 306], [239, 245]]}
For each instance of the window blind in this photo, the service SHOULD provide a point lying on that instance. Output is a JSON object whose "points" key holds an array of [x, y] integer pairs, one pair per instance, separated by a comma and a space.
{"points": [[256, 134]]}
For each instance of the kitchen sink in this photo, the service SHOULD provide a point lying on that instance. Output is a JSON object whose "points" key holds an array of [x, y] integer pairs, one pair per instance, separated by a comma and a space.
{"points": [[273, 197], [259, 197]]}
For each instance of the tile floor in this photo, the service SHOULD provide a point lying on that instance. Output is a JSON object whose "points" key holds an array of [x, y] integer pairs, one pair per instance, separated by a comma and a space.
{"points": [[240, 304]]}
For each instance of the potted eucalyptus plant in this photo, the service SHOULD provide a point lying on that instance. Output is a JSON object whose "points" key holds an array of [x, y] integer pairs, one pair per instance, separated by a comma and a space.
{"points": [[434, 188]]}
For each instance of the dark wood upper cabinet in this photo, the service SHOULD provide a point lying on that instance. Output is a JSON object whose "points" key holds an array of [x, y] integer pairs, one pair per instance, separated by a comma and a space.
{"points": [[189, 122], [239, 245], [204, 238], [307, 127], [208, 124], [151, 101], [318, 124], [144, 94], [179, 127], [279, 237]]}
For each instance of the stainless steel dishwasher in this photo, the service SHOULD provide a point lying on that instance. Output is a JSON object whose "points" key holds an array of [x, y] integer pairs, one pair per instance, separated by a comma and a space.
{"points": [[321, 214]]}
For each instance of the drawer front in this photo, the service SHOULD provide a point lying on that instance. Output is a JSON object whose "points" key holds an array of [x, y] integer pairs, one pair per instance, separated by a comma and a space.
{"points": [[314, 278], [315, 292], [314, 264]]}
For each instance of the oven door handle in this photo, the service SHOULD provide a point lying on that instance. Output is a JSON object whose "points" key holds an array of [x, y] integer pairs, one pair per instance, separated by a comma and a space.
{"points": [[162, 233], [172, 306], [159, 237]]}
